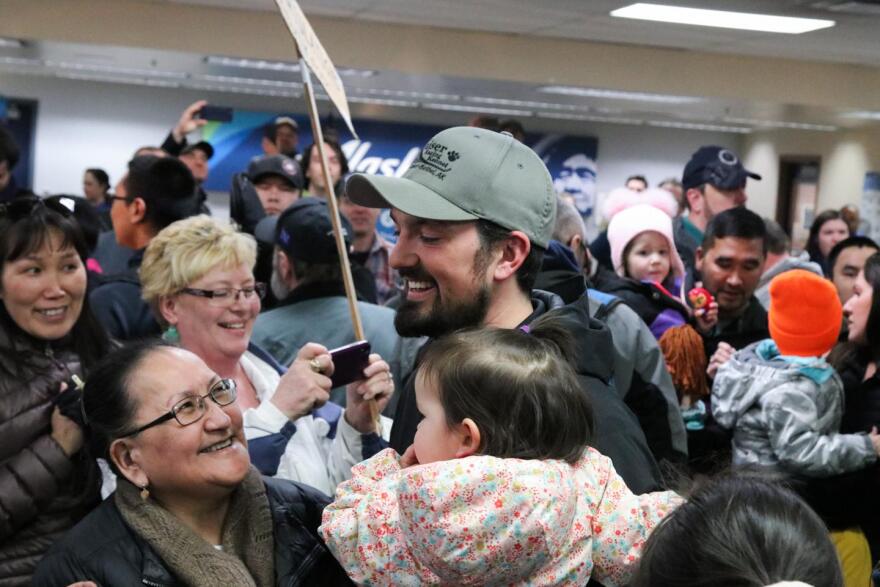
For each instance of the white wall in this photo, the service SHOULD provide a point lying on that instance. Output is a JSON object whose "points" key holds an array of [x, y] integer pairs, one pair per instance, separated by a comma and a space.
{"points": [[90, 124]]}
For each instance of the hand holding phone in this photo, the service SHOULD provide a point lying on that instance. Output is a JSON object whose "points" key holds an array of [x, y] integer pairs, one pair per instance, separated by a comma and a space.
{"points": [[215, 113], [349, 362]]}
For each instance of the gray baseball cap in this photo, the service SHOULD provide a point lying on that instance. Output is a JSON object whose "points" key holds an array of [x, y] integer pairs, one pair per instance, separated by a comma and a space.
{"points": [[467, 173]]}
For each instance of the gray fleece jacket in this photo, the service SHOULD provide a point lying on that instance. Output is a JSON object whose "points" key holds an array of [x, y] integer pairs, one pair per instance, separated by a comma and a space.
{"points": [[785, 414]]}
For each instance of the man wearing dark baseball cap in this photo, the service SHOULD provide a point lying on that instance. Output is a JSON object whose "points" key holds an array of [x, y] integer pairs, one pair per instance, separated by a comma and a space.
{"points": [[278, 181], [475, 213], [714, 180]]}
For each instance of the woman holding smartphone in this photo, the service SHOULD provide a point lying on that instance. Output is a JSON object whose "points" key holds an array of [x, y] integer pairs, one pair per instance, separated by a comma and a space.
{"points": [[197, 276]]}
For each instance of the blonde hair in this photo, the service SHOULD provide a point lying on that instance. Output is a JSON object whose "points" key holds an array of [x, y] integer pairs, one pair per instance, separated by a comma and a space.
{"points": [[188, 249]]}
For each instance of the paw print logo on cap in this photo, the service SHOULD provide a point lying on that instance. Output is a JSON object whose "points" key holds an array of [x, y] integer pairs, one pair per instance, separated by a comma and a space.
{"points": [[453, 155]]}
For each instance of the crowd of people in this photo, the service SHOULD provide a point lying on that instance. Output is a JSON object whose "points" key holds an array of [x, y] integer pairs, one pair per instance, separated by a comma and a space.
{"points": [[683, 401]]}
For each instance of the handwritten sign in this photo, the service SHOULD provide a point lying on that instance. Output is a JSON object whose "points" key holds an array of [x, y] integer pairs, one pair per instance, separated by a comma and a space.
{"points": [[315, 56]]}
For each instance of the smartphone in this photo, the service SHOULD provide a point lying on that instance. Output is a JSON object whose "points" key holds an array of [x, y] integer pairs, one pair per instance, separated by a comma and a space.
{"points": [[215, 113], [349, 362]]}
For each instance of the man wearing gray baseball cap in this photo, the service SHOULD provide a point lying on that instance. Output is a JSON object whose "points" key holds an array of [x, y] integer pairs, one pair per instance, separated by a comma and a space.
{"points": [[474, 214]]}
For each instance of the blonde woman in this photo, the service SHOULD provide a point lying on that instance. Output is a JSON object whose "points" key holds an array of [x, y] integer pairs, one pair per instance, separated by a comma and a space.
{"points": [[197, 276]]}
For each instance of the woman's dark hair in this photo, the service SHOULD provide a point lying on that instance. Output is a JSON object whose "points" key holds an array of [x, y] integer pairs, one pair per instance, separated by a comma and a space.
{"points": [[518, 387], [107, 406], [813, 240], [343, 162], [101, 177], [28, 233], [739, 531], [872, 328]]}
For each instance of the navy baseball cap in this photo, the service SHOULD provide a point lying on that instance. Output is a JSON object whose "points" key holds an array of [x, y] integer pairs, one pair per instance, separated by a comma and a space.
{"points": [[717, 166], [305, 232]]}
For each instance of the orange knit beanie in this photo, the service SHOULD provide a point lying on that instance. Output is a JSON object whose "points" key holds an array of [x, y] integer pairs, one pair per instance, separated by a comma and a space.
{"points": [[805, 313]]}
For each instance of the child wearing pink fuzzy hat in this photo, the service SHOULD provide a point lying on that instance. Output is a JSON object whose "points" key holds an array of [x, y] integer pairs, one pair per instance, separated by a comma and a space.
{"points": [[649, 277]]}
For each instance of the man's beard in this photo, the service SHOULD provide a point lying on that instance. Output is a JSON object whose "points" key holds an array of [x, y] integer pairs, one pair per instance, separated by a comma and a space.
{"points": [[443, 317]]}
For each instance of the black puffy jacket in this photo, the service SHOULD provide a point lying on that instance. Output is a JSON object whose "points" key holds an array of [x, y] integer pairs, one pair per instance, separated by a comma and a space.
{"points": [[104, 549]]}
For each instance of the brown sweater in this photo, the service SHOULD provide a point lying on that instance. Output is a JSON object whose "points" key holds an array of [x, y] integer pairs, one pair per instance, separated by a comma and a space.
{"points": [[43, 493]]}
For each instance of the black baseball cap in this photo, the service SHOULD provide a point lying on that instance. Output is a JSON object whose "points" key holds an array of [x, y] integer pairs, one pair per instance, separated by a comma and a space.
{"points": [[305, 232], [279, 165], [203, 146], [717, 166]]}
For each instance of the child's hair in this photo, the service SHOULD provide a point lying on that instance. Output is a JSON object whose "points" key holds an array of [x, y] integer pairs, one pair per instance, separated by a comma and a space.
{"points": [[517, 385], [739, 531]]}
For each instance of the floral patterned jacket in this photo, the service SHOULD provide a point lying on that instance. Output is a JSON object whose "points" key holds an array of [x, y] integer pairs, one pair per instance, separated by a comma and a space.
{"points": [[490, 521]]}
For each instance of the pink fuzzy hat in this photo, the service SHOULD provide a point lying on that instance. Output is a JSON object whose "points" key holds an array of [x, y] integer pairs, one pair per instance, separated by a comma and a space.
{"points": [[649, 210]]}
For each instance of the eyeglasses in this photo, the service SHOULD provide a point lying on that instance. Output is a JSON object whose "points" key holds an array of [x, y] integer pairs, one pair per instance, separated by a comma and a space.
{"points": [[112, 198], [190, 409], [22, 207], [223, 298]]}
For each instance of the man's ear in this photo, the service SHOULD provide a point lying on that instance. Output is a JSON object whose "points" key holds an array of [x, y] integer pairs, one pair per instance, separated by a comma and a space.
{"points": [[124, 455], [694, 199], [698, 260], [469, 441], [514, 251], [283, 265], [137, 210]]}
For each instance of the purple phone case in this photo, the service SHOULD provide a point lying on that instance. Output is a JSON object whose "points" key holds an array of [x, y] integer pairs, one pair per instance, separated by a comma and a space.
{"points": [[349, 362]]}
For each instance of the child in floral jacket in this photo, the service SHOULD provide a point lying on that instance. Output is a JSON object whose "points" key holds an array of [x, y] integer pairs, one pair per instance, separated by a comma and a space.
{"points": [[499, 486]]}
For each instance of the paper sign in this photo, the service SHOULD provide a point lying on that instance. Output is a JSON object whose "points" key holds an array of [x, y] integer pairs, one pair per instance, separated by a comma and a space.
{"points": [[315, 56]]}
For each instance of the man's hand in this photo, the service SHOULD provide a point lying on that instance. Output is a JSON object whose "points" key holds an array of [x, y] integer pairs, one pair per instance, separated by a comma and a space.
{"points": [[377, 385], [706, 318], [188, 121], [721, 356], [306, 385]]}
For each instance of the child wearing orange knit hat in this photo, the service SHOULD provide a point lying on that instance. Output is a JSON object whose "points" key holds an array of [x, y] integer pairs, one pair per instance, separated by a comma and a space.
{"points": [[780, 397]]}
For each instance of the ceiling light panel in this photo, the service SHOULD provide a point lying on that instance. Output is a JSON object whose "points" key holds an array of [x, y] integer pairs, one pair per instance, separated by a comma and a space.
{"points": [[721, 18], [619, 95]]}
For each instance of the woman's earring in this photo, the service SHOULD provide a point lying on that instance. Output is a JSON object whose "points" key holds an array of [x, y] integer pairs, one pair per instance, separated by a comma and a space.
{"points": [[171, 334], [145, 493]]}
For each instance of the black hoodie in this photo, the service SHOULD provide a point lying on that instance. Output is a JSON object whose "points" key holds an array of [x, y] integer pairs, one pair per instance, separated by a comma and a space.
{"points": [[617, 433]]}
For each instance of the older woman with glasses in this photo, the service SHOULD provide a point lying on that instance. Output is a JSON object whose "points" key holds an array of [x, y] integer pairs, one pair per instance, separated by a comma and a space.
{"points": [[48, 479], [197, 276], [188, 509]]}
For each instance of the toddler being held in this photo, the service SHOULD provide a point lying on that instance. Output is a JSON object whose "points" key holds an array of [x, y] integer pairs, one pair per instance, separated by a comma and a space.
{"points": [[500, 486]]}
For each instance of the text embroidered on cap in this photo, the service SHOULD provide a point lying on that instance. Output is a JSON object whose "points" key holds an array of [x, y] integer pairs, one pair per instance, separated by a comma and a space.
{"points": [[431, 160]]}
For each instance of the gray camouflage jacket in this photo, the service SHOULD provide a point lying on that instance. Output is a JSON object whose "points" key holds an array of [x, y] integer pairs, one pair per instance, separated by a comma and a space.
{"points": [[785, 414]]}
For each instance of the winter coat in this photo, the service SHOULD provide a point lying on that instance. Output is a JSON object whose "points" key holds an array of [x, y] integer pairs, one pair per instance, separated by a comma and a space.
{"points": [[43, 492], [317, 449], [739, 332], [482, 520], [617, 432], [785, 414], [654, 304], [640, 374], [862, 410], [104, 549]]}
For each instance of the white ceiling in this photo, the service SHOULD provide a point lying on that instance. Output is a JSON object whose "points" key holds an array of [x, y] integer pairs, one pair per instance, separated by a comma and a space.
{"points": [[854, 39]]}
